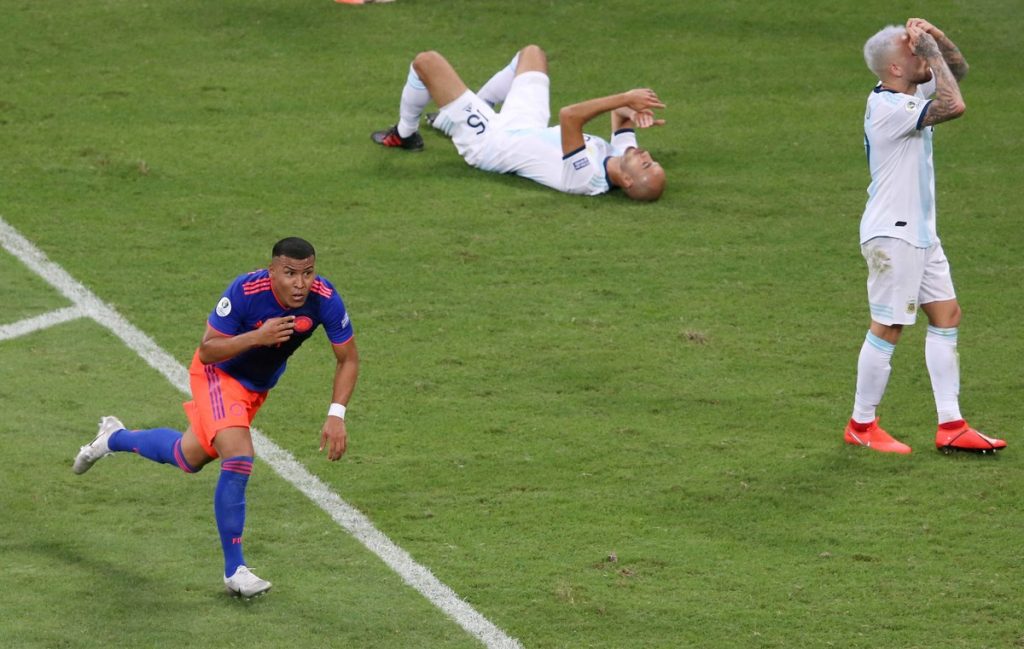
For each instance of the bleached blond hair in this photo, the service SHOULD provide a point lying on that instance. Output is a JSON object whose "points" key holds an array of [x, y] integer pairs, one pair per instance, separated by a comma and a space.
{"points": [[880, 48]]}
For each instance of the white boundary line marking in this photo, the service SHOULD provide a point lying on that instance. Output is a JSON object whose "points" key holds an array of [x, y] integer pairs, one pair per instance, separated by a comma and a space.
{"points": [[39, 322], [86, 304]]}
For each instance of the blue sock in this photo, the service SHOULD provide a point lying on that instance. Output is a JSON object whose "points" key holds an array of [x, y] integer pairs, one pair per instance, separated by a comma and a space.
{"points": [[229, 508], [161, 445]]}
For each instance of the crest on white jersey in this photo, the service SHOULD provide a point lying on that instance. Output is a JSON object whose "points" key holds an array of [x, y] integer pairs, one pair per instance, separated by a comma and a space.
{"points": [[224, 307]]}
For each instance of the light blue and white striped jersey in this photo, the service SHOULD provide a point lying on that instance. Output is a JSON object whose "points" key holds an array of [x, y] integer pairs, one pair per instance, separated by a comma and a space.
{"points": [[537, 154], [901, 196]]}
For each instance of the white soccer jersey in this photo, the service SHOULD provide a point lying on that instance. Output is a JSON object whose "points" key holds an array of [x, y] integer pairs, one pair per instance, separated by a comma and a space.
{"points": [[901, 196], [537, 154]]}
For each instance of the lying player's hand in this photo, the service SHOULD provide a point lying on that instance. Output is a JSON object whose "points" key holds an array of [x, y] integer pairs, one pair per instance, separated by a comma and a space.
{"points": [[643, 99], [645, 119]]}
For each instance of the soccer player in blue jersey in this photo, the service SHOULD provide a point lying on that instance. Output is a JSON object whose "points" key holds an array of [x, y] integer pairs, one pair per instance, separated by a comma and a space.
{"points": [[518, 139], [260, 320], [919, 69]]}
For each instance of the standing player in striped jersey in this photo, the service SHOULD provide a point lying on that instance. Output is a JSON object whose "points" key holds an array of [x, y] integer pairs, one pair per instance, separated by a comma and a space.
{"points": [[518, 139], [261, 319], [907, 267]]}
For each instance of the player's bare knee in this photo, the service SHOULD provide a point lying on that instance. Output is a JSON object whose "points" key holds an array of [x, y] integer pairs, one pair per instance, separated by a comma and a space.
{"points": [[889, 333], [424, 62], [535, 51], [532, 58], [953, 319]]}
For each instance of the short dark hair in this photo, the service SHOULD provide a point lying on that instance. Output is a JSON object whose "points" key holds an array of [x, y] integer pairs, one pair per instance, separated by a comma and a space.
{"points": [[293, 248]]}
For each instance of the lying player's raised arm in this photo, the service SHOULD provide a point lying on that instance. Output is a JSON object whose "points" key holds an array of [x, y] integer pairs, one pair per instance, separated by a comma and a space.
{"points": [[572, 118]]}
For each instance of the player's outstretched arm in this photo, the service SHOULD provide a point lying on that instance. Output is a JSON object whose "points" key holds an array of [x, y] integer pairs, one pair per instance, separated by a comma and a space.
{"points": [[217, 347], [948, 103], [334, 434], [572, 118], [950, 52]]}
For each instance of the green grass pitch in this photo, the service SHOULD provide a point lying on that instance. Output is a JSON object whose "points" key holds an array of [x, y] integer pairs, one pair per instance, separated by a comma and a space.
{"points": [[548, 382]]}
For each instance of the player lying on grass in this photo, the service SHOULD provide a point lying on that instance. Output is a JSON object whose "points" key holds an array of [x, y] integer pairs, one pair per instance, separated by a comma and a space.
{"points": [[518, 139], [907, 267], [260, 320]]}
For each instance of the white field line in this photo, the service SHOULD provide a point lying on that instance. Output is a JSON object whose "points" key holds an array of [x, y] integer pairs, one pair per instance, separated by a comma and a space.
{"points": [[281, 461], [36, 323]]}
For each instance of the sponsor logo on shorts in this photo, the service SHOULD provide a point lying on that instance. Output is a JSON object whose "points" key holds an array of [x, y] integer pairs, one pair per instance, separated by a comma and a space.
{"points": [[223, 307], [303, 324], [580, 164]]}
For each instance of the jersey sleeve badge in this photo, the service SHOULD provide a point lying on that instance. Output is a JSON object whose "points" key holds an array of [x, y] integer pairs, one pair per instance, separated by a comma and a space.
{"points": [[224, 307]]}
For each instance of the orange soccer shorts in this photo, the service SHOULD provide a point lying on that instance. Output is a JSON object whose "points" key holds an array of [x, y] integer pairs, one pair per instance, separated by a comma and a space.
{"points": [[218, 402]]}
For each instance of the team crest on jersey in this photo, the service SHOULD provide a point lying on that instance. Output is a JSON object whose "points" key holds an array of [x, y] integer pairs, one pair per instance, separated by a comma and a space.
{"points": [[911, 105], [303, 324], [224, 307]]}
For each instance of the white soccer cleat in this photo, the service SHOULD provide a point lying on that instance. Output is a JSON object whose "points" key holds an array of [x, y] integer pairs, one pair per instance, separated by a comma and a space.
{"points": [[245, 584], [97, 448]]}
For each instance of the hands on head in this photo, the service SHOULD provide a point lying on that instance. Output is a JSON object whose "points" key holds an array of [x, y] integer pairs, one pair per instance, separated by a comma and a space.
{"points": [[925, 26]]}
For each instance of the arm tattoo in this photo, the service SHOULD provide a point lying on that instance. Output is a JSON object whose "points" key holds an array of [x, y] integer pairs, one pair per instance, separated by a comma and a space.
{"points": [[926, 47], [956, 61], [948, 104]]}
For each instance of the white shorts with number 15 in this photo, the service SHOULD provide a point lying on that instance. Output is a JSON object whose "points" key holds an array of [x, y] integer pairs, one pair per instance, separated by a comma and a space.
{"points": [[481, 135]]}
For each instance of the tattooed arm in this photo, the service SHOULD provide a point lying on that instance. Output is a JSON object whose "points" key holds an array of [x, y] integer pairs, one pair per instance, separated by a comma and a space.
{"points": [[948, 103], [950, 52]]}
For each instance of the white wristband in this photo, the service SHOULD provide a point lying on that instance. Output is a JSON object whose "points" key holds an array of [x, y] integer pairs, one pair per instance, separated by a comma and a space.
{"points": [[336, 410]]}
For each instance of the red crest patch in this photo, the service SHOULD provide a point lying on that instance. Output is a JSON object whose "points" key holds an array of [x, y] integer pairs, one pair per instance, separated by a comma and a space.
{"points": [[303, 324]]}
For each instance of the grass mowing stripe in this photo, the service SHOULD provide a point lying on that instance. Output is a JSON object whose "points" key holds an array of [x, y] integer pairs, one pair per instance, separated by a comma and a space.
{"points": [[39, 322], [282, 462]]}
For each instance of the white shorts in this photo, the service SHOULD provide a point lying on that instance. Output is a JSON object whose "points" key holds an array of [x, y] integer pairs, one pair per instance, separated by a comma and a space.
{"points": [[480, 134], [902, 277]]}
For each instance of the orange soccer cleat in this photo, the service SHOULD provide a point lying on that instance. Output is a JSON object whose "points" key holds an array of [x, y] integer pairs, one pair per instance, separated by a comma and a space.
{"points": [[872, 436], [958, 436]]}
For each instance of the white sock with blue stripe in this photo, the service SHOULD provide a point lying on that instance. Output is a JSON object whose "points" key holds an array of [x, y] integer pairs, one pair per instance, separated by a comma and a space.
{"points": [[873, 369], [415, 98], [944, 368], [497, 87]]}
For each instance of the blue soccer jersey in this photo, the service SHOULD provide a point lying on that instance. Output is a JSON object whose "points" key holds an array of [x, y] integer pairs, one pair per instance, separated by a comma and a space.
{"points": [[250, 301]]}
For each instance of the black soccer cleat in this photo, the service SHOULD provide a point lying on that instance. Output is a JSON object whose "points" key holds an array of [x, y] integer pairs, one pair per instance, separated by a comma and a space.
{"points": [[390, 138]]}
